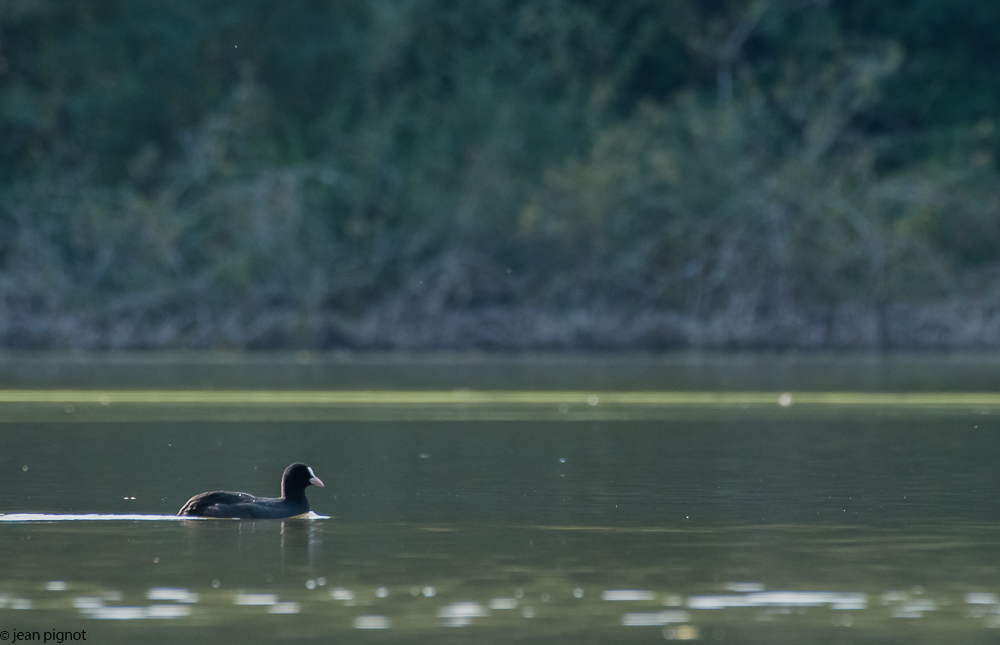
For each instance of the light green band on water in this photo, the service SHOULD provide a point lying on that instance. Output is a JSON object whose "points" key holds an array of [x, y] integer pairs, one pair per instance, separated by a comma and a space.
{"points": [[416, 405]]}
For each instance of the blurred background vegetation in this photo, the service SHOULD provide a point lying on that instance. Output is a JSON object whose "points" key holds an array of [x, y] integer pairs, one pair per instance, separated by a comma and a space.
{"points": [[499, 174]]}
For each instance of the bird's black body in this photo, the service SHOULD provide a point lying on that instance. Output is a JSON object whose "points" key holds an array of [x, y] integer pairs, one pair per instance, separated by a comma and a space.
{"points": [[243, 505]]}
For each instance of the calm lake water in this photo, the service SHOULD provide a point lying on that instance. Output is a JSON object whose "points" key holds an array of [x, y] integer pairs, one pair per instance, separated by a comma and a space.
{"points": [[743, 499]]}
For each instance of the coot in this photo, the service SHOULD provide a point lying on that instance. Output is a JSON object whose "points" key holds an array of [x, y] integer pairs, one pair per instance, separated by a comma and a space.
{"points": [[243, 505]]}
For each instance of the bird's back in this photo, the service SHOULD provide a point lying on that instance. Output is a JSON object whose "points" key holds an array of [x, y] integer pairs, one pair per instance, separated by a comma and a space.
{"points": [[241, 505], [214, 504]]}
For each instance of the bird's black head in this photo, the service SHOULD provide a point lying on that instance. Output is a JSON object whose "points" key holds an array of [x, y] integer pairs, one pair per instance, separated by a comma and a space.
{"points": [[296, 478]]}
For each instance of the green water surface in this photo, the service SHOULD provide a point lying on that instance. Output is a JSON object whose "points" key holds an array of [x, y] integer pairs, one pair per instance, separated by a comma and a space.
{"points": [[517, 499]]}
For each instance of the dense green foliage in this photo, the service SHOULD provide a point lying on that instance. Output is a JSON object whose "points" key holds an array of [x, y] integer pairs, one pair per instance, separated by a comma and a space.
{"points": [[499, 173]]}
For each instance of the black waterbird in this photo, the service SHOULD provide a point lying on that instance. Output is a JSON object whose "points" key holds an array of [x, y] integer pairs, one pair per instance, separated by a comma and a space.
{"points": [[243, 505]]}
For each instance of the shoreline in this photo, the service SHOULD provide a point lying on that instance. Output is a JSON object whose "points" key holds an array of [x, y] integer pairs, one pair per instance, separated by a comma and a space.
{"points": [[956, 325]]}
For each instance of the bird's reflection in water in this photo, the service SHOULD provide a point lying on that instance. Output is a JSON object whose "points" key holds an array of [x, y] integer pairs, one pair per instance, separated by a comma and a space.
{"points": [[298, 535]]}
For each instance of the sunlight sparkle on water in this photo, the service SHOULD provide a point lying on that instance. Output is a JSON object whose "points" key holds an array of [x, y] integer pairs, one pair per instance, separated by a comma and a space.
{"points": [[255, 599], [981, 598], [640, 619], [284, 608], [174, 594], [137, 613], [619, 595], [372, 622], [781, 599], [503, 603], [460, 614]]}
